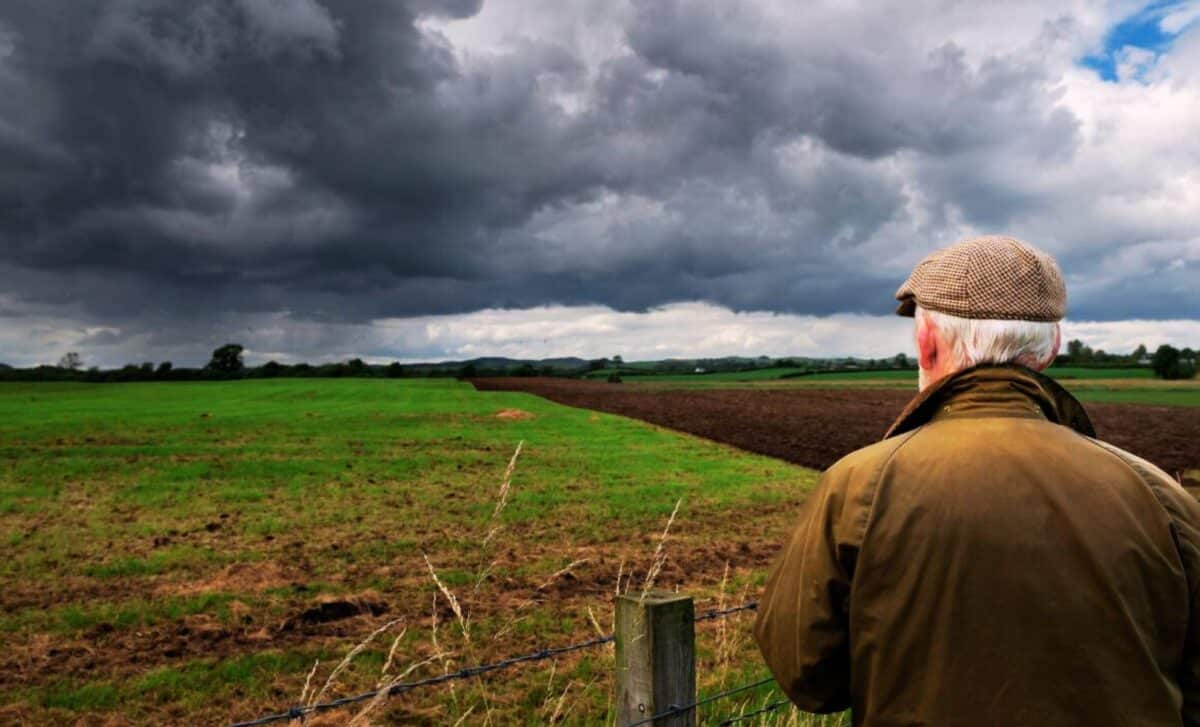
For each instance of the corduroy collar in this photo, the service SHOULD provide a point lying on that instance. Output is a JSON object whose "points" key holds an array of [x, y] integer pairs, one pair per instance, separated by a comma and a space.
{"points": [[1056, 403]]}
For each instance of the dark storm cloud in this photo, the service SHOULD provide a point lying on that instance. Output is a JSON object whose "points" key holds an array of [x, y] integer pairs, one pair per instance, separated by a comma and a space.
{"points": [[165, 162]]}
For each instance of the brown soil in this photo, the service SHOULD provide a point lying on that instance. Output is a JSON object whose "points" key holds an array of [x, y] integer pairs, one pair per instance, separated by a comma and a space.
{"points": [[816, 427]]}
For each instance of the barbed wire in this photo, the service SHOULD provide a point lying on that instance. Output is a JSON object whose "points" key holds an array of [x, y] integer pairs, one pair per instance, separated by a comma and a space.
{"points": [[673, 709], [719, 612], [470, 672], [464, 673], [748, 715]]}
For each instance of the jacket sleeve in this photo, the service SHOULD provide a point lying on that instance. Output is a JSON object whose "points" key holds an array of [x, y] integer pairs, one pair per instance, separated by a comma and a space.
{"points": [[802, 626], [1185, 514]]}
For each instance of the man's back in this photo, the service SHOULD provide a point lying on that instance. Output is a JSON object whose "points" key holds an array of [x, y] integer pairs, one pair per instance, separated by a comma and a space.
{"points": [[990, 566]]}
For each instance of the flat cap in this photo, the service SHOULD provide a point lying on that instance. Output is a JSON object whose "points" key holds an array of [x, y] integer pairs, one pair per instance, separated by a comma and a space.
{"points": [[987, 277]]}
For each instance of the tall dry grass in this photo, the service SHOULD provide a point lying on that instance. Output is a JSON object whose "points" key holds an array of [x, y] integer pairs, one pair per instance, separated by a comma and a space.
{"points": [[463, 644]]}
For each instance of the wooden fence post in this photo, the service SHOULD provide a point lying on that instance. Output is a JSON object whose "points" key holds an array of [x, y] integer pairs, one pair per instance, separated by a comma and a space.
{"points": [[656, 658]]}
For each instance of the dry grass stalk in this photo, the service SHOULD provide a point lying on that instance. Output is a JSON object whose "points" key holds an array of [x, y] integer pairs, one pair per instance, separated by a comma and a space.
{"points": [[660, 557], [387, 664], [482, 571], [454, 605], [464, 626], [723, 655], [383, 688], [308, 682], [464, 716], [438, 652], [561, 572], [345, 662], [595, 622], [549, 686], [502, 497], [558, 713]]}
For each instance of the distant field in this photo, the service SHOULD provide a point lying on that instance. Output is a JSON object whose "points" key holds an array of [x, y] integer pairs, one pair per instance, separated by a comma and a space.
{"points": [[1123, 386], [1069, 372], [168, 546], [798, 374], [1160, 396], [755, 375]]}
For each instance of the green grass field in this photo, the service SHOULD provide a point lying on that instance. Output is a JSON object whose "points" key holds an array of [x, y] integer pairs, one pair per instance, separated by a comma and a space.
{"points": [[1118, 386], [164, 542]]}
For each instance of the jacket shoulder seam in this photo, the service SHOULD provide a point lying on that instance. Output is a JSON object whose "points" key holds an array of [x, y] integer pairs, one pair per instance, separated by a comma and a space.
{"points": [[873, 486], [1154, 482], [1135, 463]]}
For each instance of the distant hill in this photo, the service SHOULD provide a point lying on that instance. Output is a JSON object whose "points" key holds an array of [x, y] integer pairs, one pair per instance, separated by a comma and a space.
{"points": [[500, 363]]}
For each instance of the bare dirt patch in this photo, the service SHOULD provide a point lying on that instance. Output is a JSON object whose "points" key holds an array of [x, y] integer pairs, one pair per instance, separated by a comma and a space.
{"points": [[235, 578], [514, 414], [816, 427]]}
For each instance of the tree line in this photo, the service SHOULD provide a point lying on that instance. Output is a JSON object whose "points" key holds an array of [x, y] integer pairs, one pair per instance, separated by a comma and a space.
{"points": [[1167, 361], [226, 362]]}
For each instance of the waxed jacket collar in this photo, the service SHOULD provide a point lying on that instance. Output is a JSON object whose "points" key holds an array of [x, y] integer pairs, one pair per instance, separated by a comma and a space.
{"points": [[1008, 380]]}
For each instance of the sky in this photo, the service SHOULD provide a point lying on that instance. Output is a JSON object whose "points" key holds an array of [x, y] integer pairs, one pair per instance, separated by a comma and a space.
{"points": [[425, 180]]}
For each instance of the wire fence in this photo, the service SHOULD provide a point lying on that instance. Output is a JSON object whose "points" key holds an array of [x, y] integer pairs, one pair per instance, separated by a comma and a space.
{"points": [[299, 712], [756, 713], [466, 673], [673, 710]]}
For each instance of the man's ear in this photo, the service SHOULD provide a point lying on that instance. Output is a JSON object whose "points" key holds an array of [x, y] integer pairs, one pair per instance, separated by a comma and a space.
{"points": [[927, 344]]}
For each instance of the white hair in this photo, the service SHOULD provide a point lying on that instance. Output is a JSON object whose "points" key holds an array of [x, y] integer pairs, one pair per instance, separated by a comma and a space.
{"points": [[991, 341]]}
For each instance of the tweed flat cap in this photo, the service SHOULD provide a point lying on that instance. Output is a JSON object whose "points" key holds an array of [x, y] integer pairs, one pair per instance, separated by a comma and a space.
{"points": [[987, 277]]}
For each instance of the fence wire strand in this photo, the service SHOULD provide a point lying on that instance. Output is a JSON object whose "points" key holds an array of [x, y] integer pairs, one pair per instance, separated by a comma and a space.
{"points": [[464, 673], [720, 612], [300, 711], [750, 715], [673, 709]]}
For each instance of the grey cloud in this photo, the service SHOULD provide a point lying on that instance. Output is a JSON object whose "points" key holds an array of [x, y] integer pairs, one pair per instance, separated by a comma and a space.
{"points": [[164, 163]]}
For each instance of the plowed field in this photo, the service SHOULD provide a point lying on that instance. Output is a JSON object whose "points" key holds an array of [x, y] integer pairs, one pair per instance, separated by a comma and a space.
{"points": [[816, 427]]}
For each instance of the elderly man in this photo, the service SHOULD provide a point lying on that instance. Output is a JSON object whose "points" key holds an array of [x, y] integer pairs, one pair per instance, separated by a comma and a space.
{"points": [[990, 562]]}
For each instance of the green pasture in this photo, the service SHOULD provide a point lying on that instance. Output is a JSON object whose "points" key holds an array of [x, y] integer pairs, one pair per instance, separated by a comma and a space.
{"points": [[118, 502], [1118, 386]]}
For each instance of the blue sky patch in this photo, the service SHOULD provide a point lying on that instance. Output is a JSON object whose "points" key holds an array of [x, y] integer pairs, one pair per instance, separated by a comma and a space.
{"points": [[1143, 29]]}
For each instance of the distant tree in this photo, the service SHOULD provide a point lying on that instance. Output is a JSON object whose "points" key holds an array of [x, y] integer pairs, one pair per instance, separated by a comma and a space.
{"points": [[1168, 363], [227, 359], [331, 370], [1078, 352], [128, 372], [70, 361], [900, 361], [618, 361], [614, 378], [355, 367], [164, 368], [468, 372], [526, 370], [1139, 353], [147, 369], [394, 370], [272, 368]]}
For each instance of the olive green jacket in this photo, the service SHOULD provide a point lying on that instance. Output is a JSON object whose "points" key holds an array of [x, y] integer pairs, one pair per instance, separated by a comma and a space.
{"points": [[991, 563]]}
